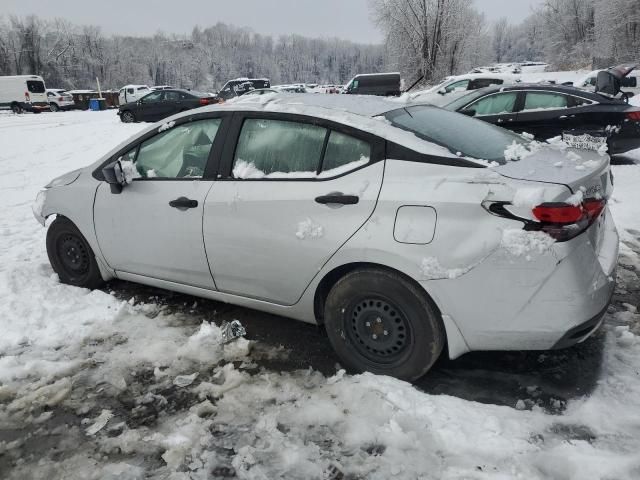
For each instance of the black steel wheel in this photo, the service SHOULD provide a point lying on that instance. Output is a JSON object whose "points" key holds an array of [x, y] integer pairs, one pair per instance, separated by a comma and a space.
{"points": [[127, 117], [71, 256], [380, 321]]}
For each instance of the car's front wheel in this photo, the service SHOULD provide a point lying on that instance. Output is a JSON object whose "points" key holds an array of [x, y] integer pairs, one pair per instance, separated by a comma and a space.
{"points": [[127, 117], [378, 321], [54, 107], [15, 108], [71, 255]]}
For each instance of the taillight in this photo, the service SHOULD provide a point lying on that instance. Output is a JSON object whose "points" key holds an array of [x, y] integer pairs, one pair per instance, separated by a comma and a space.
{"points": [[563, 221], [204, 101], [634, 116], [559, 213], [60, 99]]}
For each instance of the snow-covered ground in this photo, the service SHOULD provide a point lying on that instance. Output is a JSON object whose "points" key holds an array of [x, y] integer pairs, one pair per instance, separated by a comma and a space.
{"points": [[92, 387]]}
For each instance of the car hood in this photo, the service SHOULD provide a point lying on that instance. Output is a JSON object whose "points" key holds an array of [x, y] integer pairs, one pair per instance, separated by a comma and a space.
{"points": [[579, 170]]}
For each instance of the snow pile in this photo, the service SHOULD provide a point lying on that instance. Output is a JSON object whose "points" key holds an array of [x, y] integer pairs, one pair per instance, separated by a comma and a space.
{"points": [[248, 170], [166, 126], [518, 242], [516, 151], [432, 270], [528, 197], [309, 229]]}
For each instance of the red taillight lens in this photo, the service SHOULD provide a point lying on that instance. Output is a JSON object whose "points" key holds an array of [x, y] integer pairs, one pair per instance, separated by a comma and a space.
{"points": [[564, 222], [634, 116], [558, 213], [61, 99], [204, 101]]}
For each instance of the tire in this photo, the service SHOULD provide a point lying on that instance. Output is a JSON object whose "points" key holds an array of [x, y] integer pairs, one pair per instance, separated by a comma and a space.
{"points": [[54, 107], [127, 117], [17, 109], [380, 322], [71, 256]]}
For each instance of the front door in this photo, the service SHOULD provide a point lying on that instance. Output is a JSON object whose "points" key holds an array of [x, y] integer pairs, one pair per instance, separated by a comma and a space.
{"points": [[154, 226], [293, 194], [496, 108]]}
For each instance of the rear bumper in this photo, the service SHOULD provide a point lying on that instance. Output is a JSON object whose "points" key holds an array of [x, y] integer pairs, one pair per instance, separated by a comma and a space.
{"points": [[581, 332], [549, 300], [628, 139]]}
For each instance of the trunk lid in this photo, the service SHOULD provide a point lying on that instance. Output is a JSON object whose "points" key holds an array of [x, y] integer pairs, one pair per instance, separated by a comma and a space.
{"points": [[579, 170], [609, 82]]}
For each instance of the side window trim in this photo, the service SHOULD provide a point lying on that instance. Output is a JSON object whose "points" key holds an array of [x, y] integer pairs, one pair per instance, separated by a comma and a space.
{"points": [[378, 145]]}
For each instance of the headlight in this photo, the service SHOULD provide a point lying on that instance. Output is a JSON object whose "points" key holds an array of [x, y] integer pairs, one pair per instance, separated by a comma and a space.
{"points": [[38, 206]]}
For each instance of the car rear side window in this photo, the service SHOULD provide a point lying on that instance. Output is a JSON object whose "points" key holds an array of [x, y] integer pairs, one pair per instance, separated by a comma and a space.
{"points": [[171, 96], [180, 152], [545, 101], [278, 149], [344, 153], [495, 104], [35, 86]]}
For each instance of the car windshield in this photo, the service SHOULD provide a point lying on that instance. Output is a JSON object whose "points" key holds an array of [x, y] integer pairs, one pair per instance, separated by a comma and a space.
{"points": [[462, 135]]}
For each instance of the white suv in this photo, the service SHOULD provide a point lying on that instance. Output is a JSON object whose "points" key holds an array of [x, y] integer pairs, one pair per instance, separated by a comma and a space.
{"points": [[59, 99]]}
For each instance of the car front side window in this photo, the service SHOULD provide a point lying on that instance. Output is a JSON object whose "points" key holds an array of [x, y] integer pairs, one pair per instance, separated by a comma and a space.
{"points": [[495, 104], [153, 97], [180, 152], [278, 149]]}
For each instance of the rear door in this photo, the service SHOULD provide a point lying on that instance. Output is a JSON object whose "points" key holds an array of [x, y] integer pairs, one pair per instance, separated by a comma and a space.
{"points": [[153, 228], [546, 114], [292, 191]]}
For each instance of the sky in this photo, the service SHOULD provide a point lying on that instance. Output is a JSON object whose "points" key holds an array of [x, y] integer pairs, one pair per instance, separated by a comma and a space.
{"points": [[347, 19]]}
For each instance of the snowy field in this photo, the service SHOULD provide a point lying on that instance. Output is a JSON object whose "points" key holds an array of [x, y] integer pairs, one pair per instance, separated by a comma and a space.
{"points": [[94, 387]]}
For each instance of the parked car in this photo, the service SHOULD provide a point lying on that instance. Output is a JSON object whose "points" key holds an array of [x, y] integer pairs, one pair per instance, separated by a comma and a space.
{"points": [[456, 85], [628, 82], [382, 84], [259, 91], [23, 93], [132, 93], [547, 111], [60, 99], [389, 233], [240, 86], [163, 103]]}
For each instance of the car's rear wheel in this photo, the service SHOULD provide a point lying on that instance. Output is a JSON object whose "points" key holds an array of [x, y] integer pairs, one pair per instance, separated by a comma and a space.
{"points": [[15, 108], [127, 117], [71, 256], [54, 107], [378, 321]]}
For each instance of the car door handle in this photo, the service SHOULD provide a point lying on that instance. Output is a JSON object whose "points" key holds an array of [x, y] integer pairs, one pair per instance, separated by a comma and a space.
{"points": [[338, 198], [183, 203]]}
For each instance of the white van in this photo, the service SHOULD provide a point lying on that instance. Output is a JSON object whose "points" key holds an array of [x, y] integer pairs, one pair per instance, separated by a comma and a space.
{"points": [[132, 93], [23, 93]]}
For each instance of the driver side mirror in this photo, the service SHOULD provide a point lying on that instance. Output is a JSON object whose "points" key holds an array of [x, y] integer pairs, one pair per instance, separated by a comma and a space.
{"points": [[442, 91], [469, 112], [114, 176]]}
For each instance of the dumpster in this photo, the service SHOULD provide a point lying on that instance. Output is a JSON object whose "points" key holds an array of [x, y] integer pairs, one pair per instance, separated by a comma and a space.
{"points": [[96, 104]]}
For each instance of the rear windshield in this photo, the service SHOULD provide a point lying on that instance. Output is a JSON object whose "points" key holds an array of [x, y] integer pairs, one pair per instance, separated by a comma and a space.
{"points": [[35, 86], [462, 135]]}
